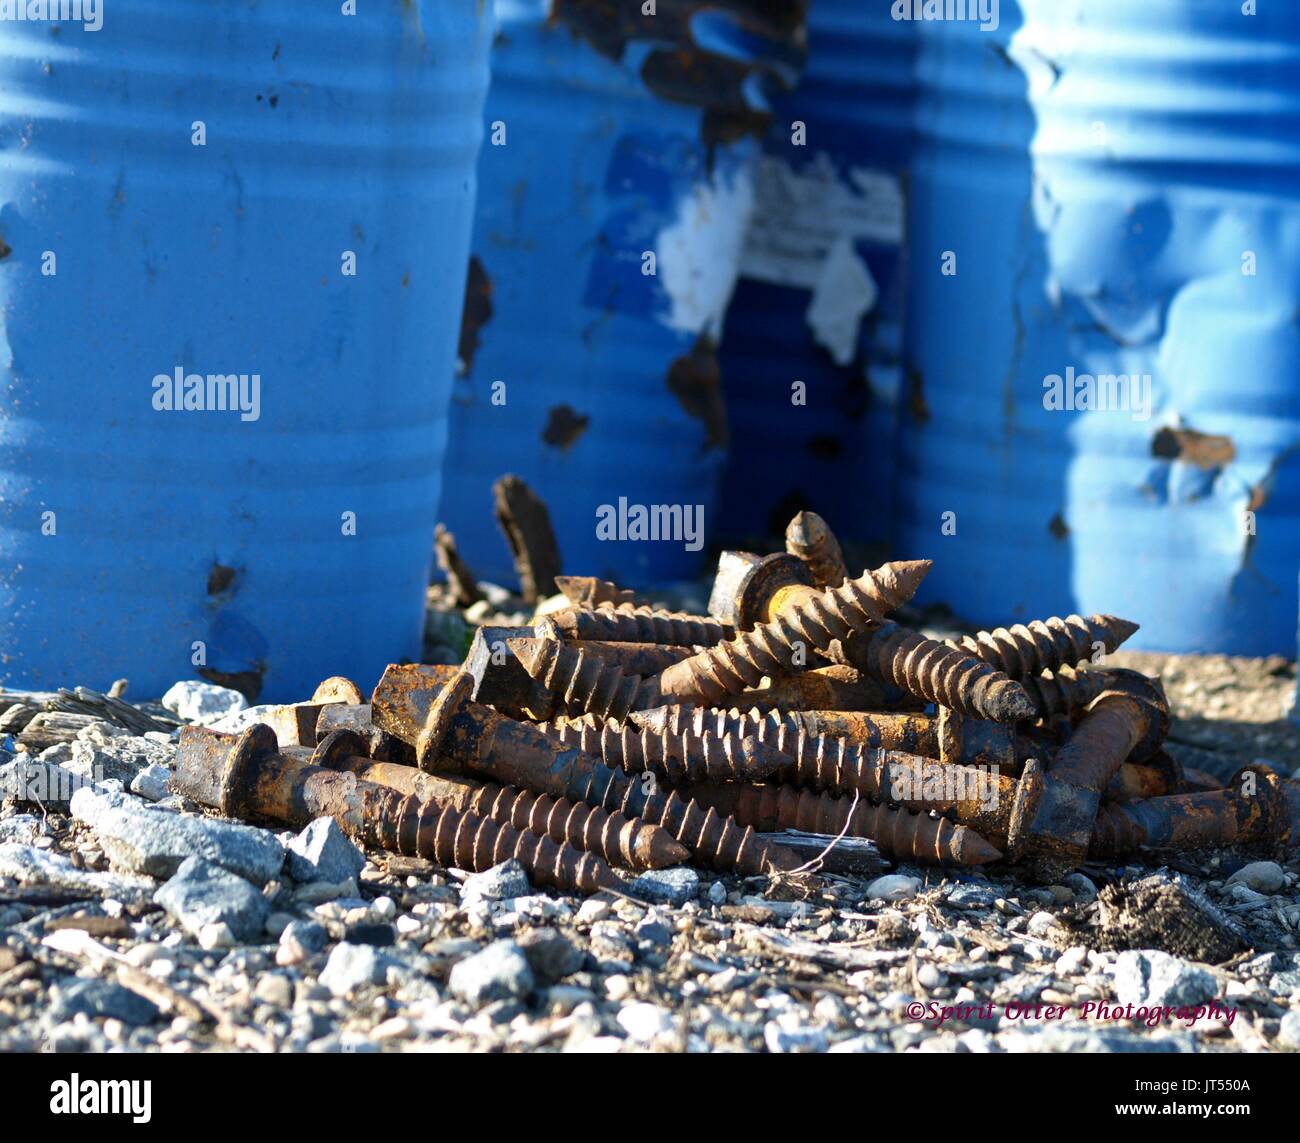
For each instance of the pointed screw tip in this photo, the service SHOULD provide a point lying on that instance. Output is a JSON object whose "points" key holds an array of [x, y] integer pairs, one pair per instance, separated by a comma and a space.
{"points": [[972, 849]]}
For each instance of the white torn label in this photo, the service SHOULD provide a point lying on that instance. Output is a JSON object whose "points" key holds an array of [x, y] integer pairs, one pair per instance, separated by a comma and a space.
{"points": [[844, 294], [699, 254], [800, 216]]}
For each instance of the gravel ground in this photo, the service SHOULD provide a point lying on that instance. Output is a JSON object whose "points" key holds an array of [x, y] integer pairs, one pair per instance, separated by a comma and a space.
{"points": [[131, 920]]}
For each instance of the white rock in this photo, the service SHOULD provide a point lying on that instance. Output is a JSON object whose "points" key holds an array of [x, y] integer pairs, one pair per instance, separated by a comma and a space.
{"points": [[351, 966], [1040, 924], [644, 1022], [151, 783], [500, 883], [498, 972], [1289, 1033], [1156, 978], [893, 887], [1071, 961], [204, 703]]}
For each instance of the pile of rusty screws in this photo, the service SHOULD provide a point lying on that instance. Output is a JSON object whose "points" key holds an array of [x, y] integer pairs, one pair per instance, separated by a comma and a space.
{"points": [[611, 734]]}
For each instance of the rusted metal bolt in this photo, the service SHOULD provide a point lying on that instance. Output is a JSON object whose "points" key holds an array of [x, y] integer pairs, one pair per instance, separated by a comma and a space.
{"points": [[338, 689], [1064, 692], [582, 683], [807, 620], [810, 538], [248, 776], [823, 688], [461, 735], [501, 680], [899, 834], [1047, 644], [1054, 811], [628, 842], [1254, 811], [733, 566], [937, 673], [679, 755], [625, 624], [588, 591], [380, 745]]}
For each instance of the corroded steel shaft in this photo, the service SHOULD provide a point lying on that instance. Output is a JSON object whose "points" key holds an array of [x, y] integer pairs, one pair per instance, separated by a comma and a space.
{"points": [[937, 673], [1228, 817], [682, 755], [949, 738], [835, 687], [899, 834], [806, 620], [583, 683], [1047, 644], [248, 776], [628, 842], [809, 537], [463, 736], [625, 624], [1054, 812]]}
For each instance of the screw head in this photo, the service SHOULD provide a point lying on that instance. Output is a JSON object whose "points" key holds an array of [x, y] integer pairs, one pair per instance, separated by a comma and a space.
{"points": [[758, 586], [445, 707], [256, 743]]}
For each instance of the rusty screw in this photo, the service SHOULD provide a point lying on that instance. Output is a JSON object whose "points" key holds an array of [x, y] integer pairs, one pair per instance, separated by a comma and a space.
{"points": [[809, 538], [629, 842], [937, 673], [679, 755], [1053, 812], [624, 624], [1046, 644], [806, 620], [1064, 692], [248, 776], [588, 591], [1252, 811], [900, 834], [582, 683], [461, 735]]}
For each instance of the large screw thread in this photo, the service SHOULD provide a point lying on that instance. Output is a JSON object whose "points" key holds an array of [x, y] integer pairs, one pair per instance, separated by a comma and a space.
{"points": [[713, 840], [899, 834], [1064, 691], [582, 683], [1047, 644], [810, 538], [461, 839], [684, 755], [627, 624], [831, 765], [938, 673], [629, 842], [803, 625]]}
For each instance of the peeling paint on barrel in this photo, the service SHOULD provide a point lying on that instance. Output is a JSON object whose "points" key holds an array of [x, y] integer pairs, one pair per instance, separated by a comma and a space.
{"points": [[813, 344], [1118, 184], [610, 223], [269, 552]]}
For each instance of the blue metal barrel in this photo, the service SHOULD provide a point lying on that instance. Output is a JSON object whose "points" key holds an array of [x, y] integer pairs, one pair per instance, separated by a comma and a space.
{"points": [[616, 186], [1103, 407], [219, 447], [820, 300]]}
